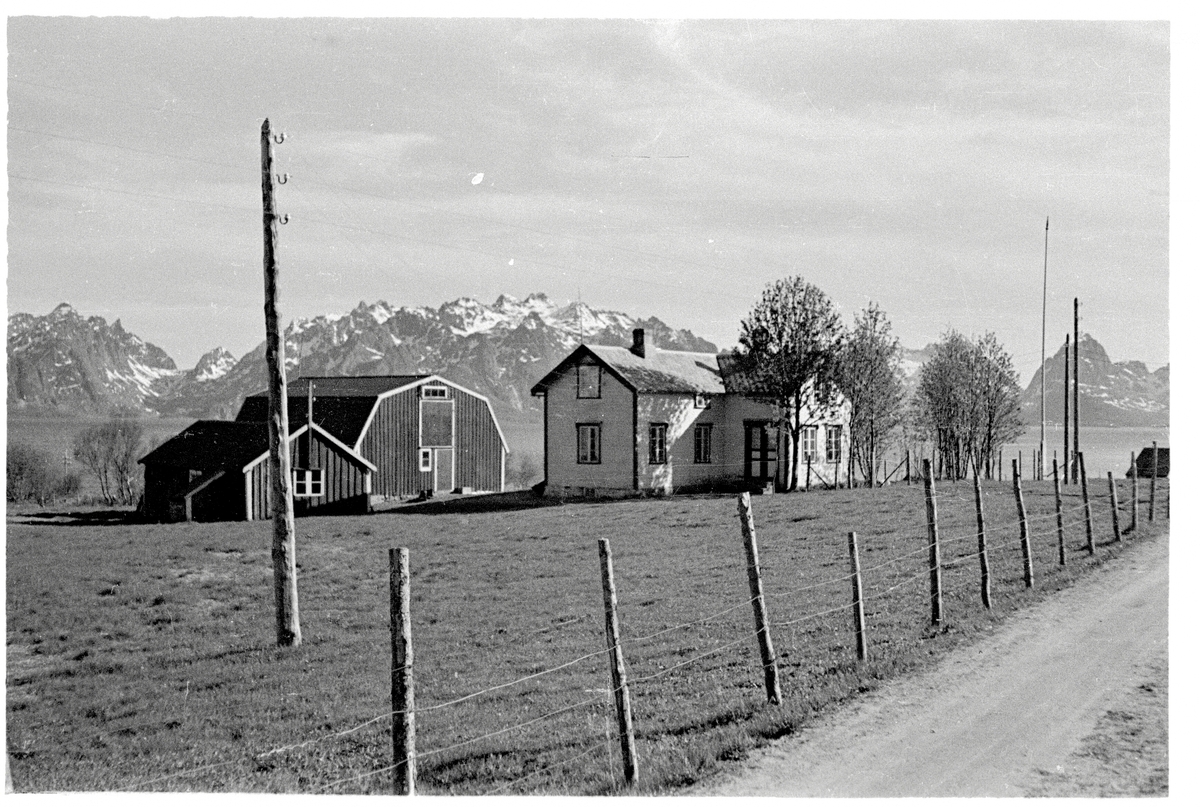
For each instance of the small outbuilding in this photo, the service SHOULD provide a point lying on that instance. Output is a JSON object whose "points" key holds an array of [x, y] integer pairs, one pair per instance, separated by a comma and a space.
{"points": [[1145, 464], [216, 470]]}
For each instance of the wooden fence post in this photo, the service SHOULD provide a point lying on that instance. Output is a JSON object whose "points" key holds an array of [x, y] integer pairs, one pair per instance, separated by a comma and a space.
{"points": [[1087, 504], [1133, 498], [1026, 555], [1153, 476], [1058, 514], [1112, 498], [404, 735], [985, 576], [762, 626], [808, 473], [617, 664], [935, 556], [860, 619]]}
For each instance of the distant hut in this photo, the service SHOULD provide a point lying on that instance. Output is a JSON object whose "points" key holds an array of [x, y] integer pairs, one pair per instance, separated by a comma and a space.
{"points": [[1145, 463]]}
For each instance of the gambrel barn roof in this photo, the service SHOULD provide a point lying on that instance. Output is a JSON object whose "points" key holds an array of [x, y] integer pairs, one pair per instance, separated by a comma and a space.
{"points": [[345, 405]]}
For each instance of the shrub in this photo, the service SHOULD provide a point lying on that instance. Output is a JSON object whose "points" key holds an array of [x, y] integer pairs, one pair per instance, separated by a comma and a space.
{"points": [[32, 477]]}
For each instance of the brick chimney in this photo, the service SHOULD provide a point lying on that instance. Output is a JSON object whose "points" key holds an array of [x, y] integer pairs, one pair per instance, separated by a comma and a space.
{"points": [[643, 344]]}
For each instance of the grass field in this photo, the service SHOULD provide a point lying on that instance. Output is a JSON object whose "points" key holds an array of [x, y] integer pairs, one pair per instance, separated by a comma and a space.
{"points": [[141, 656]]}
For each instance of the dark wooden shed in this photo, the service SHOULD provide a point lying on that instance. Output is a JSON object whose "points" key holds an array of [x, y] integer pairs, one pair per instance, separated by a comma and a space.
{"points": [[1145, 463], [216, 470]]}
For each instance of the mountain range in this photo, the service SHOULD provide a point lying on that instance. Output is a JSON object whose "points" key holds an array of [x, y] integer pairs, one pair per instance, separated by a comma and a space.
{"points": [[64, 363]]}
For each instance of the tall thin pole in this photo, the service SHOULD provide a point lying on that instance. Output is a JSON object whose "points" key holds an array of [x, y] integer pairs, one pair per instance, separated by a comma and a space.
{"points": [[404, 731], [1045, 275], [279, 461], [1075, 472], [1066, 406]]}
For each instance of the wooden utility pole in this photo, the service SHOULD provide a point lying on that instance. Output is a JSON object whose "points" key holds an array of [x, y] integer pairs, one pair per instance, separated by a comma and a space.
{"points": [[404, 733], [279, 461], [1041, 466], [1076, 473], [1066, 406]]}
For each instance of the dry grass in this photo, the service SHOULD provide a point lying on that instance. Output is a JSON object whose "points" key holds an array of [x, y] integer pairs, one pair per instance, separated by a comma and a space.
{"points": [[142, 657]]}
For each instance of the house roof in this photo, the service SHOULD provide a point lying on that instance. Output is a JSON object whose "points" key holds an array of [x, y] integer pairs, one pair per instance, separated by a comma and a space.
{"points": [[213, 444], [664, 371]]}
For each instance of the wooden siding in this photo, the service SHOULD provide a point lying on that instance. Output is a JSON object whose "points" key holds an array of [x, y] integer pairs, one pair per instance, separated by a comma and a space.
{"points": [[616, 414], [392, 443], [346, 486]]}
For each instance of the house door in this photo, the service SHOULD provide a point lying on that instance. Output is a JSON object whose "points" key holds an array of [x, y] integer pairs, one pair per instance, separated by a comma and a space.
{"points": [[443, 470], [760, 451]]}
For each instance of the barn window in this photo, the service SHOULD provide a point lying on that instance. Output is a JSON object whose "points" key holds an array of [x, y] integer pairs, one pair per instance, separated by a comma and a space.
{"points": [[808, 443], [658, 443], [308, 483], [435, 392], [588, 442], [426, 459], [704, 442], [833, 443], [587, 381]]}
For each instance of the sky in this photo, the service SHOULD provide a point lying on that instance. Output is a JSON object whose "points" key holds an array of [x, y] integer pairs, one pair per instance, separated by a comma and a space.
{"points": [[671, 168]]}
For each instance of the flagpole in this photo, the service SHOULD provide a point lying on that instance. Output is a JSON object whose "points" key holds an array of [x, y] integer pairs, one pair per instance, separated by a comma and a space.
{"points": [[1045, 267]]}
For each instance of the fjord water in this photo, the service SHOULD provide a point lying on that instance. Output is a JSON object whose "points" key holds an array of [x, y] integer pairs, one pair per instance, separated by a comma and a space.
{"points": [[1104, 448]]}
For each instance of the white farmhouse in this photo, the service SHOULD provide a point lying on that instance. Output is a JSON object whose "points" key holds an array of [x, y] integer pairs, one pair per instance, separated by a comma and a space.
{"points": [[639, 419]]}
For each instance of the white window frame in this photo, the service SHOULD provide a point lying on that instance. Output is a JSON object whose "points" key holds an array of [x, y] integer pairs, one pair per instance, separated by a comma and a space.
{"points": [[580, 429], [703, 446], [702, 400], [426, 460], [658, 444], [579, 380], [808, 444], [833, 443], [308, 483], [435, 391]]}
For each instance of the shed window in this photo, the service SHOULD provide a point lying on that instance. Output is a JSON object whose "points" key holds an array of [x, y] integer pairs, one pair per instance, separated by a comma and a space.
{"points": [[426, 460], [588, 440], [704, 442], [308, 483], [587, 381], [658, 443], [833, 443]]}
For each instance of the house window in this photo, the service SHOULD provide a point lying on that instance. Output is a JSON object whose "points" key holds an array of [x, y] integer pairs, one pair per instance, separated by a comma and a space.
{"points": [[808, 444], [704, 442], [308, 483], [658, 443], [702, 401], [426, 460], [587, 381], [435, 392], [833, 443], [588, 441]]}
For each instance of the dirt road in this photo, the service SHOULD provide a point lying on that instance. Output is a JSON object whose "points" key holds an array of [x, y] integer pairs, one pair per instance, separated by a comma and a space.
{"points": [[984, 721]]}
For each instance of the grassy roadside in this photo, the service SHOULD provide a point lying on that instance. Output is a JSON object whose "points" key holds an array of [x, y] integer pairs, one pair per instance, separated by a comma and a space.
{"points": [[140, 656]]}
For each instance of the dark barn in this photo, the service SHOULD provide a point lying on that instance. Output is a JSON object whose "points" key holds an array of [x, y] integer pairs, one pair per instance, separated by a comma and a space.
{"points": [[216, 470], [424, 434]]}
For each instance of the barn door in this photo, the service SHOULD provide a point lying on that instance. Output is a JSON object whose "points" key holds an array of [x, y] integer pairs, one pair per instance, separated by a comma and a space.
{"points": [[443, 469]]}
